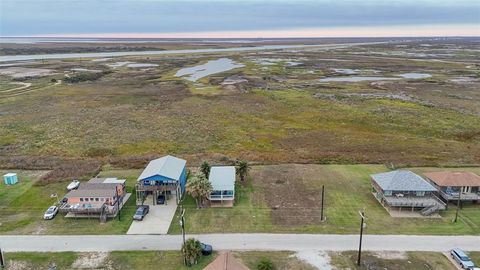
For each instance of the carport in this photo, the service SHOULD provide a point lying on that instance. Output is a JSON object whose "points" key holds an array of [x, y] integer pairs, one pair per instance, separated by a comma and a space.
{"points": [[158, 220]]}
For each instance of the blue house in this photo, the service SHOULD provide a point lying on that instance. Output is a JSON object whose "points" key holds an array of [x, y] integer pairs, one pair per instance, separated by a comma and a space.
{"points": [[162, 178]]}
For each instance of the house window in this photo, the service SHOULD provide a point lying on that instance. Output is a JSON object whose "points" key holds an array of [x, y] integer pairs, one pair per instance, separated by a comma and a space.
{"points": [[91, 199], [388, 193], [97, 199], [81, 199], [420, 193], [86, 199]]}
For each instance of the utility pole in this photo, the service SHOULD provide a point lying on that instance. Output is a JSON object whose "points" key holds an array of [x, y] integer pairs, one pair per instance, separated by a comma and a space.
{"points": [[458, 204], [182, 224], [2, 260], [362, 225], [321, 211], [118, 202]]}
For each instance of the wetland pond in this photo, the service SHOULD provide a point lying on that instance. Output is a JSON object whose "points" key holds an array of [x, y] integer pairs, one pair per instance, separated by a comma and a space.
{"points": [[372, 78], [209, 68]]}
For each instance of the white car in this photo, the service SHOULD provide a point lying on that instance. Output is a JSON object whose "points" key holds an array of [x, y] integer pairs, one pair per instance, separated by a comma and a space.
{"points": [[73, 185], [51, 212]]}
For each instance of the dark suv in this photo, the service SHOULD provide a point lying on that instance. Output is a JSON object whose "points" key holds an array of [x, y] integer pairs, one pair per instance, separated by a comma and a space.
{"points": [[141, 212]]}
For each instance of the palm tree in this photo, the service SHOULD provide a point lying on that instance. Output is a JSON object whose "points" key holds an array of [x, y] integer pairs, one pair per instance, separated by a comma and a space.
{"points": [[192, 251], [199, 188], [242, 169], [205, 168]]}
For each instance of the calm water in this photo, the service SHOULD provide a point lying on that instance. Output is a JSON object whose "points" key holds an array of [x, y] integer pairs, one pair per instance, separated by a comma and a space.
{"points": [[356, 79], [211, 67], [114, 54], [414, 75], [6, 58]]}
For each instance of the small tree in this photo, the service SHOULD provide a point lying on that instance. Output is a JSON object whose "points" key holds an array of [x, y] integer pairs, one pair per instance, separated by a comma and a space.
{"points": [[265, 264], [192, 250], [199, 188], [205, 168], [242, 169]]}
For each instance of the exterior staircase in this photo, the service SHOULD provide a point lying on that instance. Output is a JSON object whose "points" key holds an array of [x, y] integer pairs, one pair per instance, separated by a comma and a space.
{"points": [[103, 214], [430, 210]]}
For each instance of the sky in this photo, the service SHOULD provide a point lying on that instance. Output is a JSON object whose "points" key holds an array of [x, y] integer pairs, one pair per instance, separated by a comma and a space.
{"points": [[239, 19]]}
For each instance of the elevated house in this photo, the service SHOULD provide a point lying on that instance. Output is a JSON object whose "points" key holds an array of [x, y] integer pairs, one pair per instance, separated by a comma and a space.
{"points": [[453, 186], [405, 190], [99, 197], [165, 176], [222, 179]]}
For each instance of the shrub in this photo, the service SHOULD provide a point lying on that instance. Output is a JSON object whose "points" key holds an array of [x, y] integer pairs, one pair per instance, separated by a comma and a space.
{"points": [[192, 251], [87, 76], [265, 264]]}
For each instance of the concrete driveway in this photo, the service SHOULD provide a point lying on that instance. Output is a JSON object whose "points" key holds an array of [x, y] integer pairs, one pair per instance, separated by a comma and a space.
{"points": [[157, 221]]}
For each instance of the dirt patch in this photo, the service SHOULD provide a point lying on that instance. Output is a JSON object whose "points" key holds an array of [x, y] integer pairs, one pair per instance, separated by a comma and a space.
{"points": [[22, 72], [288, 196], [391, 255], [90, 260], [18, 265], [318, 259]]}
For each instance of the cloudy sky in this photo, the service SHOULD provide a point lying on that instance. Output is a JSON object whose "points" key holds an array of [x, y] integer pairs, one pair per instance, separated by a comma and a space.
{"points": [[242, 18]]}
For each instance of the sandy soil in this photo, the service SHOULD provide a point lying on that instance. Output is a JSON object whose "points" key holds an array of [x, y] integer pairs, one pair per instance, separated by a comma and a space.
{"points": [[318, 259], [22, 72]]}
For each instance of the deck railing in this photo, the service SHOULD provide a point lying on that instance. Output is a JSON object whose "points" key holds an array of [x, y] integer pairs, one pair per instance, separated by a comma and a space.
{"points": [[463, 196]]}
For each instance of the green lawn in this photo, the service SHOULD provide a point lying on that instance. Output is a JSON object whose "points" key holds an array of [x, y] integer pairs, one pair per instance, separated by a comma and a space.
{"points": [[142, 260], [23, 206], [172, 260], [286, 198], [276, 198], [411, 260], [475, 256], [282, 260]]}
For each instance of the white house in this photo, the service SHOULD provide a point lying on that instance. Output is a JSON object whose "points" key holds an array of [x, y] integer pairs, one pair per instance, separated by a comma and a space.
{"points": [[222, 179]]}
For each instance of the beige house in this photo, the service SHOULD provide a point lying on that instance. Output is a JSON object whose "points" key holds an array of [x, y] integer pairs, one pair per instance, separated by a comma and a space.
{"points": [[456, 185]]}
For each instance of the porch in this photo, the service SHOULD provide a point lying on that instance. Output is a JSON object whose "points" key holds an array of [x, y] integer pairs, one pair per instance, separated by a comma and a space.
{"points": [[93, 210], [150, 193], [411, 206], [464, 196], [221, 198]]}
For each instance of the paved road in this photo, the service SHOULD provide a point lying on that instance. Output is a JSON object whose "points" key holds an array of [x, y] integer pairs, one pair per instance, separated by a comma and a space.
{"points": [[294, 242]]}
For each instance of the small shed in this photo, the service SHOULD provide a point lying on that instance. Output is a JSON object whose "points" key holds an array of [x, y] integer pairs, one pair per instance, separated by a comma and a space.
{"points": [[10, 178]]}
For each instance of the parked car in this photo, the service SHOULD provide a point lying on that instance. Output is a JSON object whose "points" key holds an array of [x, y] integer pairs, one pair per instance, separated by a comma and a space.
{"points": [[161, 199], [73, 185], [64, 200], [462, 258], [141, 212], [206, 249], [51, 212]]}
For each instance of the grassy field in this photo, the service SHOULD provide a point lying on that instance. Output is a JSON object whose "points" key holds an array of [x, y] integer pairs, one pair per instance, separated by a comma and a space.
{"points": [[409, 260], [475, 256], [118, 260], [286, 198], [281, 114], [23, 206], [276, 198], [172, 260]]}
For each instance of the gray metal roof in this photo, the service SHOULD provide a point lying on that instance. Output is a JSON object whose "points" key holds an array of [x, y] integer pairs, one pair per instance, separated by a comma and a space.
{"points": [[402, 180], [110, 180], [222, 177], [167, 166], [91, 193]]}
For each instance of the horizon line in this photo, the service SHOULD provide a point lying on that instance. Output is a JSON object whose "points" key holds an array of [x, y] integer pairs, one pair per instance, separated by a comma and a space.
{"points": [[398, 31]]}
